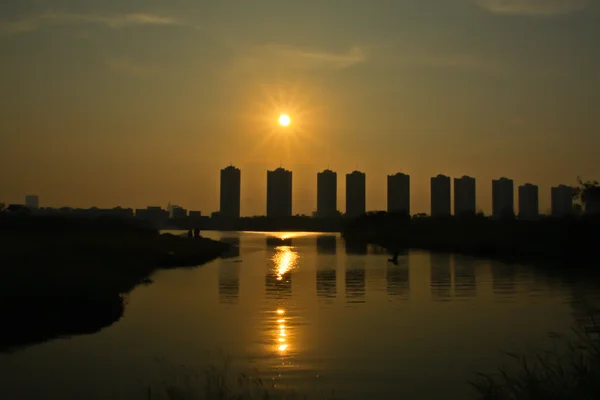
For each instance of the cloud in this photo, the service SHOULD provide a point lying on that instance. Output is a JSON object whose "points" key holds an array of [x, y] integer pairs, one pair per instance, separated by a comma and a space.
{"points": [[300, 58], [129, 67], [533, 7], [114, 21]]}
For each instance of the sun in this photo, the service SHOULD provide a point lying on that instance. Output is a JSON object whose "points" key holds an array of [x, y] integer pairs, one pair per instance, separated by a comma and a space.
{"points": [[284, 120]]}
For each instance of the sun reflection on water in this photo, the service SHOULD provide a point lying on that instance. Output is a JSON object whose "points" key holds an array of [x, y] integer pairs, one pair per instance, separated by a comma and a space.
{"points": [[284, 261]]}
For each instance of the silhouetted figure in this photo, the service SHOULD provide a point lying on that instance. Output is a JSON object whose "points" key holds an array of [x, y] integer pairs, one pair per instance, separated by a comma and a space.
{"points": [[190, 234], [197, 233], [395, 258]]}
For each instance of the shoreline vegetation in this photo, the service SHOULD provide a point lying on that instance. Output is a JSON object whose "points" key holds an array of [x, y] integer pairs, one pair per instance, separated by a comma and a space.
{"points": [[557, 242], [63, 276]]}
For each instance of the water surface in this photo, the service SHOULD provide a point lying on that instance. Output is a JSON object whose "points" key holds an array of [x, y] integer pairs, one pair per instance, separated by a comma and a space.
{"points": [[310, 312]]}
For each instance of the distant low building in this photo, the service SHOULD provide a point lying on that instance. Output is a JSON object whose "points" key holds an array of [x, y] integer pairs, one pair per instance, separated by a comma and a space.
{"points": [[178, 212], [153, 214], [195, 214], [32, 202]]}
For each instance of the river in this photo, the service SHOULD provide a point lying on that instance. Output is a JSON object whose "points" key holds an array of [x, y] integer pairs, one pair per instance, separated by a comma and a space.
{"points": [[313, 314]]}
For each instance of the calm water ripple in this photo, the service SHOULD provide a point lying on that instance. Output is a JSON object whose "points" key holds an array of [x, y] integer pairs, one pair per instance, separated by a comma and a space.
{"points": [[311, 312]]}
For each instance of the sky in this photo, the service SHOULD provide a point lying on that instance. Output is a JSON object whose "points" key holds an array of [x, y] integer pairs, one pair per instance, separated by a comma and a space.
{"points": [[134, 103]]}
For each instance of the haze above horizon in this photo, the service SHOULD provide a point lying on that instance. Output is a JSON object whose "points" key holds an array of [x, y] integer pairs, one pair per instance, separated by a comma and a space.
{"points": [[128, 103]]}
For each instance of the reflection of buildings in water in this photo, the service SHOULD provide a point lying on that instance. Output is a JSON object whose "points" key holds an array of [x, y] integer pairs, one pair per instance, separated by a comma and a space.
{"points": [[355, 247], [326, 283], [355, 283], [326, 244], [441, 279], [234, 247], [465, 282], [504, 278], [397, 279], [229, 283], [279, 279], [276, 242]]}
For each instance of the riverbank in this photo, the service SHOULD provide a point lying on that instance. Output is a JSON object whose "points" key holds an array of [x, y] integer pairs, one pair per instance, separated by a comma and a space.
{"points": [[564, 242], [61, 276]]}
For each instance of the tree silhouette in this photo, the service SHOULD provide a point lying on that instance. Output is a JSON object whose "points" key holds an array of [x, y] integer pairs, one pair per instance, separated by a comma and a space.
{"points": [[587, 191]]}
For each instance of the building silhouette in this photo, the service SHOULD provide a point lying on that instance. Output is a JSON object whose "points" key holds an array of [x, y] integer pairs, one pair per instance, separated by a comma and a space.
{"points": [[440, 196], [464, 196], [279, 193], [503, 203], [356, 196], [398, 193], [32, 201], [528, 202], [562, 201], [230, 193], [326, 194]]}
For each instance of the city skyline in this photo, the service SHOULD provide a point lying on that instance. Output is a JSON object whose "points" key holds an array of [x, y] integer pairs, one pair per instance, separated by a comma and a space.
{"points": [[445, 199], [141, 102]]}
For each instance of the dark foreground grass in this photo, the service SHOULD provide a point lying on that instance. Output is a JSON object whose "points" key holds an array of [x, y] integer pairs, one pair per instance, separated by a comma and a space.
{"points": [[572, 372], [221, 382]]}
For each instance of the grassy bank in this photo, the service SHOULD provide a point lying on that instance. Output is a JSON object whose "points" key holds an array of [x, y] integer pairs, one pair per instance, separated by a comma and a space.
{"points": [[61, 276], [570, 372], [545, 239]]}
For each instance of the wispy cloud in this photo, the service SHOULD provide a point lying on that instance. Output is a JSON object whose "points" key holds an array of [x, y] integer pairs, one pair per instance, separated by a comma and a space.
{"points": [[130, 67], [533, 7], [114, 21], [300, 58]]}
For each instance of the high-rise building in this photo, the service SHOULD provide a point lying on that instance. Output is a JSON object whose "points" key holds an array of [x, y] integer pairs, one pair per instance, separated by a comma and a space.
{"points": [[230, 193], [464, 196], [32, 201], [356, 195], [398, 193], [326, 194], [279, 193], [440, 196], [562, 201], [528, 202], [503, 203]]}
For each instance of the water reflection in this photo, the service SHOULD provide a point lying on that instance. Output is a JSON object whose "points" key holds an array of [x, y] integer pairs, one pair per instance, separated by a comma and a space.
{"points": [[465, 283], [326, 244], [357, 248], [504, 277], [397, 277], [234, 247], [279, 277], [229, 283], [355, 281], [441, 279]]}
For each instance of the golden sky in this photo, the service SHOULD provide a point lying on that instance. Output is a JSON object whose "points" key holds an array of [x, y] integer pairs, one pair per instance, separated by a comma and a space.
{"points": [[134, 103]]}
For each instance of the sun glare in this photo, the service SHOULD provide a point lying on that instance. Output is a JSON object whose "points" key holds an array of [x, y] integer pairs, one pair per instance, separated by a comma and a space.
{"points": [[284, 120]]}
